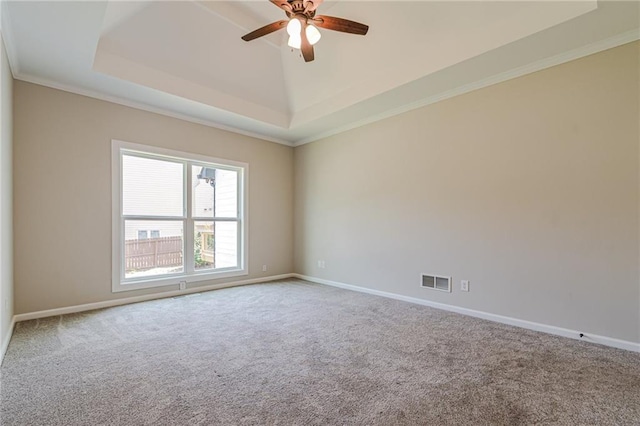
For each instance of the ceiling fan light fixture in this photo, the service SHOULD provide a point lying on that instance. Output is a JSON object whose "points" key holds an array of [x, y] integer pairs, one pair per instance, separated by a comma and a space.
{"points": [[313, 35], [294, 27], [302, 25], [295, 41]]}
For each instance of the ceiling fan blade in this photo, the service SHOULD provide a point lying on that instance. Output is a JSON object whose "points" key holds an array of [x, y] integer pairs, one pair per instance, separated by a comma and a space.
{"points": [[282, 4], [311, 5], [306, 47], [267, 29], [340, 24]]}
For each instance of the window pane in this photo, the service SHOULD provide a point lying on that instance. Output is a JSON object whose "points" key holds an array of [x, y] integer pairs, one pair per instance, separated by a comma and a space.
{"points": [[215, 245], [203, 180], [151, 187], [226, 194], [226, 244], [215, 192], [204, 246], [156, 255]]}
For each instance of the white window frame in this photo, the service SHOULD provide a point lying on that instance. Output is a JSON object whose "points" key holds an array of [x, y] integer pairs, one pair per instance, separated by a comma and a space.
{"points": [[190, 275]]}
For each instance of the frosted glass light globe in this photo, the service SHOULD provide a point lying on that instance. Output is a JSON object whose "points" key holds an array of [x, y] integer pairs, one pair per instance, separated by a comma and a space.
{"points": [[313, 35], [294, 27], [295, 41]]}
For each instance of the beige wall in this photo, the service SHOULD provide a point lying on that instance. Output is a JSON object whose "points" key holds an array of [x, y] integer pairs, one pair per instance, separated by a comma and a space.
{"points": [[6, 202], [529, 189], [62, 179]]}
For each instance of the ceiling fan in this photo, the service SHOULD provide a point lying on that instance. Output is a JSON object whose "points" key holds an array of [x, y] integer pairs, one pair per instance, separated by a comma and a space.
{"points": [[302, 23]]}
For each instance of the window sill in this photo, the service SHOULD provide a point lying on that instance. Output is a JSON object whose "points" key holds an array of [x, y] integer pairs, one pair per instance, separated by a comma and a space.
{"points": [[175, 280]]}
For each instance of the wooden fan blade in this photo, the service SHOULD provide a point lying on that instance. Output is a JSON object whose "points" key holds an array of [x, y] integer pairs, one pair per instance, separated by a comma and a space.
{"points": [[340, 24], [282, 4], [267, 29], [306, 47], [311, 5]]}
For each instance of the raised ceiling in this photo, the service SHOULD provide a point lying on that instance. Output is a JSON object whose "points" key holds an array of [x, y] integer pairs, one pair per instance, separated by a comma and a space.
{"points": [[186, 58]]}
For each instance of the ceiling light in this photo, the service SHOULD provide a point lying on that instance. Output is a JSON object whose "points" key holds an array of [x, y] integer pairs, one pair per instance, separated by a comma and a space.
{"points": [[313, 35], [294, 27], [295, 41], [301, 14]]}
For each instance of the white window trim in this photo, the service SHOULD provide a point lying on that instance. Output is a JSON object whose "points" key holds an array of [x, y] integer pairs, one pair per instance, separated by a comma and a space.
{"points": [[117, 235]]}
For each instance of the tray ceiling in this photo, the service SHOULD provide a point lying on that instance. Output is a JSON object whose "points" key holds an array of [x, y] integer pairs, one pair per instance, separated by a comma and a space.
{"points": [[186, 58]]}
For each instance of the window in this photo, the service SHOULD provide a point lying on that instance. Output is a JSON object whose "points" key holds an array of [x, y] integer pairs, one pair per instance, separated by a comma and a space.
{"points": [[176, 217]]}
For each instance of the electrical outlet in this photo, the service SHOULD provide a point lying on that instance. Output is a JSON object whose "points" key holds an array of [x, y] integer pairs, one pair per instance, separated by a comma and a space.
{"points": [[183, 285], [264, 268], [464, 285], [321, 264], [6, 303]]}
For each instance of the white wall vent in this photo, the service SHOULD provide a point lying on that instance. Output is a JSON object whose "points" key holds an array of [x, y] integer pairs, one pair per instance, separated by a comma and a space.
{"points": [[436, 282]]}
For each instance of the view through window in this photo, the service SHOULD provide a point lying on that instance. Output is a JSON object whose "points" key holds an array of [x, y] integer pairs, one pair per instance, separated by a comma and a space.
{"points": [[178, 217]]}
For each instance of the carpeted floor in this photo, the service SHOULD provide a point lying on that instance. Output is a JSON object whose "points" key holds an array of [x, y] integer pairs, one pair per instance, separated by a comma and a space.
{"points": [[295, 353]]}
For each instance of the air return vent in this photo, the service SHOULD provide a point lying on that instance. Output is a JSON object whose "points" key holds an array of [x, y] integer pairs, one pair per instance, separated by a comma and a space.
{"points": [[436, 282]]}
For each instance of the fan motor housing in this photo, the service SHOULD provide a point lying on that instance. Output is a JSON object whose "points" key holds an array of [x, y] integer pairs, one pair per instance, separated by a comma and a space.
{"points": [[298, 8]]}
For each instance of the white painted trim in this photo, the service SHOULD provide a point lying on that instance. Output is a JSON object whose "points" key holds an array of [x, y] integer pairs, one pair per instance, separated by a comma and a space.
{"points": [[571, 55], [561, 58], [544, 328], [141, 106], [118, 281], [549, 329], [7, 339], [144, 298], [8, 40]]}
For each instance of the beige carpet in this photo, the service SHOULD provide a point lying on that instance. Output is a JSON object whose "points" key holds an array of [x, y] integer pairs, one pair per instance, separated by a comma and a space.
{"points": [[295, 353]]}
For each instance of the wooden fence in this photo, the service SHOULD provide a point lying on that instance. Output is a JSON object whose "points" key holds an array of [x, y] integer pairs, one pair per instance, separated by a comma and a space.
{"points": [[151, 253]]}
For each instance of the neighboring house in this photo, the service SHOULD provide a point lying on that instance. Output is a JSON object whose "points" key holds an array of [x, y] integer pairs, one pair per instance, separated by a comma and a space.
{"points": [[214, 193]]}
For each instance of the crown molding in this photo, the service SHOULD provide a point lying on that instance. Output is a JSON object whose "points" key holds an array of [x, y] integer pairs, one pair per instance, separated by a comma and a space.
{"points": [[590, 49], [144, 107], [8, 39], [609, 43]]}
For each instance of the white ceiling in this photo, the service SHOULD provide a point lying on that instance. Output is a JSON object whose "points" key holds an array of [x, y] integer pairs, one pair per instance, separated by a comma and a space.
{"points": [[186, 58]]}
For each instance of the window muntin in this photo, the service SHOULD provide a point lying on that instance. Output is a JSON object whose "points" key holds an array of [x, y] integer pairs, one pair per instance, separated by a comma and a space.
{"points": [[166, 231]]}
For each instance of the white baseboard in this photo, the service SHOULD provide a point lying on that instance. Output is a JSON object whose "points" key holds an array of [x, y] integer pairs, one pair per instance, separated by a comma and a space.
{"points": [[144, 298], [550, 329], [558, 331], [7, 339]]}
